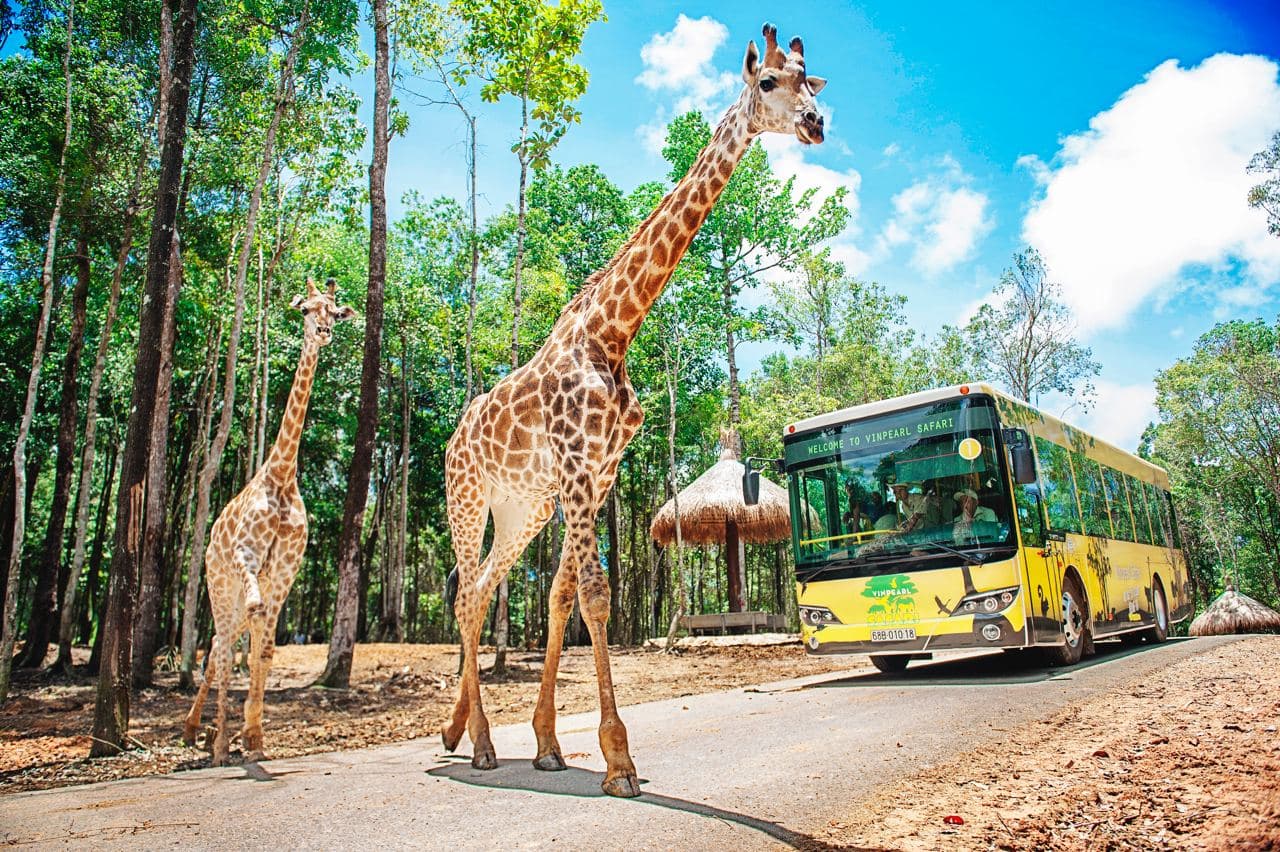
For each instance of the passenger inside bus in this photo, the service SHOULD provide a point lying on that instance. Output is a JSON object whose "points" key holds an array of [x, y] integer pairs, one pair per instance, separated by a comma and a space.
{"points": [[963, 531]]}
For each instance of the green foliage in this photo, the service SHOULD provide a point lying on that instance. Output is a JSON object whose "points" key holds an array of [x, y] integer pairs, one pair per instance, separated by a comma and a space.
{"points": [[526, 49], [1219, 437], [1266, 195], [1025, 337]]}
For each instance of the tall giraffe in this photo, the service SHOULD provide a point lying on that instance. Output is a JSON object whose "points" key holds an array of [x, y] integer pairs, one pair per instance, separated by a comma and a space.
{"points": [[257, 544], [556, 427]]}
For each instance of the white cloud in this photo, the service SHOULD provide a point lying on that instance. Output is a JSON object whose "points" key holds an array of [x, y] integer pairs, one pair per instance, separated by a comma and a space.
{"points": [[1150, 200], [679, 62], [1119, 415], [941, 217], [787, 159]]}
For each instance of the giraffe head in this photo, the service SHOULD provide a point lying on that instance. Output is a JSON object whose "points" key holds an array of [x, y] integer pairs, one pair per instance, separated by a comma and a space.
{"points": [[782, 96], [320, 311]]}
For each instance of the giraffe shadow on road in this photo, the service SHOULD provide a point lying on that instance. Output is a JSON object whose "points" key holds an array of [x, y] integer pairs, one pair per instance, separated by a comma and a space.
{"points": [[519, 774]]}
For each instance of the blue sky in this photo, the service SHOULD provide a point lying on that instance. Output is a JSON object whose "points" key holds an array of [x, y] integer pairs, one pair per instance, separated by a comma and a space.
{"points": [[1113, 137]]}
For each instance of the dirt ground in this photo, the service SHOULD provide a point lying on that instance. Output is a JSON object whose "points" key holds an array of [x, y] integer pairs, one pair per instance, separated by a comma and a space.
{"points": [[398, 692], [1187, 759]]}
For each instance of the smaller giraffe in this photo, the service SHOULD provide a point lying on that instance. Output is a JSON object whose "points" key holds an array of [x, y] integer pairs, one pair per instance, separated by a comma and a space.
{"points": [[257, 544]]}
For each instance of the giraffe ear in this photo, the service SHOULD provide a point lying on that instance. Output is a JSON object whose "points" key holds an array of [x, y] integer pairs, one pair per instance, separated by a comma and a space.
{"points": [[345, 312], [297, 302], [816, 84], [750, 64]]}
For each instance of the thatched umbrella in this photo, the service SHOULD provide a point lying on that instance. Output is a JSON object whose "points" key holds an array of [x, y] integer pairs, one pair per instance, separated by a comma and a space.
{"points": [[1233, 612], [712, 511]]}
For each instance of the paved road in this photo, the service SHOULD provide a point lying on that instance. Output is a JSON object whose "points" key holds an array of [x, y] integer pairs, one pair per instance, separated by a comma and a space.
{"points": [[755, 768]]}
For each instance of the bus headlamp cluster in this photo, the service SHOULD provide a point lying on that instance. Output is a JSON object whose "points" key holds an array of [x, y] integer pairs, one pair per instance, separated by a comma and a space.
{"points": [[817, 616], [986, 604]]}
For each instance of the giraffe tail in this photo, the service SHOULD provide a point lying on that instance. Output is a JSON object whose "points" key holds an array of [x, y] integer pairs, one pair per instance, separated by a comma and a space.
{"points": [[451, 588]]}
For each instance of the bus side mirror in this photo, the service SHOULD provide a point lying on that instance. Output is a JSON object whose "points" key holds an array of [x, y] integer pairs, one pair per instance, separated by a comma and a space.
{"points": [[1024, 465], [752, 466], [750, 486]]}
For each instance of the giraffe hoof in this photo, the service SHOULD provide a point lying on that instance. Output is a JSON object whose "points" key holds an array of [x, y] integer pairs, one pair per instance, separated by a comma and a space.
{"points": [[450, 743], [484, 760], [623, 786], [253, 756], [549, 762]]}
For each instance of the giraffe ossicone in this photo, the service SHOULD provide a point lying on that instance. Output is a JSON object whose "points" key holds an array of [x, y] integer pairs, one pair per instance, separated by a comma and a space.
{"points": [[257, 542], [556, 427]]}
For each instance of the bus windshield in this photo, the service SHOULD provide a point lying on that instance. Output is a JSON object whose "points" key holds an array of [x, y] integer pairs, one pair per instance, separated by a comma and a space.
{"points": [[915, 484]]}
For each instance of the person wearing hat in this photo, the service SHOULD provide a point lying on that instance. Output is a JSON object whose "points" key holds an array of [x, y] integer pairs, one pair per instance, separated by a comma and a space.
{"points": [[970, 511], [911, 506]]}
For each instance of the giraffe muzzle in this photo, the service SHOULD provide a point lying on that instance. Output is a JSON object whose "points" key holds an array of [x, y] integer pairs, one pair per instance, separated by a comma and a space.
{"points": [[810, 128]]}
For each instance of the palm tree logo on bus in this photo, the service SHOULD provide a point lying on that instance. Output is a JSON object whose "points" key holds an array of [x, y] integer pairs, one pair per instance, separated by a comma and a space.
{"points": [[893, 596]]}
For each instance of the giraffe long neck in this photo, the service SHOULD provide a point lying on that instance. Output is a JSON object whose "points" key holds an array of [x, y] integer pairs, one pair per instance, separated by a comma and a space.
{"points": [[635, 278], [282, 464]]}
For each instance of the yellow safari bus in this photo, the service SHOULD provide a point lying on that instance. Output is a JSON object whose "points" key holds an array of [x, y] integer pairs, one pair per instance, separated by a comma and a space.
{"points": [[962, 518]]}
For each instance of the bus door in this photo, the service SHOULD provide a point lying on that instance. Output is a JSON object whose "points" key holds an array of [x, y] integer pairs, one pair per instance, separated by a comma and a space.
{"points": [[1042, 566]]}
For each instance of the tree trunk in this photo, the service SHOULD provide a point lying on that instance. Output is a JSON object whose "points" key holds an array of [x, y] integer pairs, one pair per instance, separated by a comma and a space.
{"points": [[733, 567], [283, 96], [43, 603], [393, 592], [8, 626], [731, 356], [111, 710], [93, 600], [95, 386], [146, 626], [337, 672], [474, 275]]}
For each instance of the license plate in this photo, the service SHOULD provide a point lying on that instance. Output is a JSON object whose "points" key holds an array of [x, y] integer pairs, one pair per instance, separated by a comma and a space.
{"points": [[893, 634]]}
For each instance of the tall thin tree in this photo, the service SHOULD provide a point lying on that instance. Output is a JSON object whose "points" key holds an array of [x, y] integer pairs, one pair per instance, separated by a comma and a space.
{"points": [[337, 670], [9, 626], [111, 709]]}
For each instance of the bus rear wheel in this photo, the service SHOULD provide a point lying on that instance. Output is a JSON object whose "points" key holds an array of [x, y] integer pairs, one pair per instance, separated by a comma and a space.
{"points": [[891, 663], [1159, 631], [1075, 626]]}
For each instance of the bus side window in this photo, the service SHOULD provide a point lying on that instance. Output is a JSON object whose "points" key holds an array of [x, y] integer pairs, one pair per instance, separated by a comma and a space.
{"points": [[1030, 517], [1138, 500], [1173, 521], [1058, 487], [1118, 502], [1159, 524], [1093, 503]]}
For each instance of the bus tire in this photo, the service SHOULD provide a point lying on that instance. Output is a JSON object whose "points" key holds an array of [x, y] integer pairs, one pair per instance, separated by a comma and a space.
{"points": [[891, 663], [1075, 628], [1159, 630]]}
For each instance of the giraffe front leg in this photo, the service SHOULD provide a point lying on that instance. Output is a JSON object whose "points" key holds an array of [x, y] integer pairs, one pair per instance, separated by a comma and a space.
{"points": [[262, 646], [593, 597], [192, 724], [563, 588], [221, 662]]}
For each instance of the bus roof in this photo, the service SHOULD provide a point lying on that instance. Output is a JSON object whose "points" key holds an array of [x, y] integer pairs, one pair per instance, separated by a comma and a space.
{"points": [[1097, 447]]}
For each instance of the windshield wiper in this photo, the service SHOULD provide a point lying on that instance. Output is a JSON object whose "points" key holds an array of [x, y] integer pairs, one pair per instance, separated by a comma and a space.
{"points": [[969, 558]]}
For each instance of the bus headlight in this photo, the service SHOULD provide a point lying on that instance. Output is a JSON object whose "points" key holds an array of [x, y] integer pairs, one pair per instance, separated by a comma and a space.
{"points": [[987, 604], [817, 616]]}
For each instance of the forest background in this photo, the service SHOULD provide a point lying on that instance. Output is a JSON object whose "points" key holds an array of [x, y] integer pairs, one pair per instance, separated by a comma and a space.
{"points": [[172, 172]]}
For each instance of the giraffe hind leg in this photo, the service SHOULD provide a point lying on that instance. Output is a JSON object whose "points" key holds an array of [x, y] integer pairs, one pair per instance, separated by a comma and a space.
{"points": [[468, 516]]}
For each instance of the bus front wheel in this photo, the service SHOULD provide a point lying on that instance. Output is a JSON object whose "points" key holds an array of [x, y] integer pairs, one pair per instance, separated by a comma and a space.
{"points": [[1159, 630], [891, 663], [1075, 626]]}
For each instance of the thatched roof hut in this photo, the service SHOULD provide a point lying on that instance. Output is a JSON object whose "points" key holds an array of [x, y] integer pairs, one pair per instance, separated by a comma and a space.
{"points": [[1233, 612], [712, 511], [713, 501]]}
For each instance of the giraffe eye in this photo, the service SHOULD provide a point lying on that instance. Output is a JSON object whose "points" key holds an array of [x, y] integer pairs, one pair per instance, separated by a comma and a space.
{"points": [[768, 84]]}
